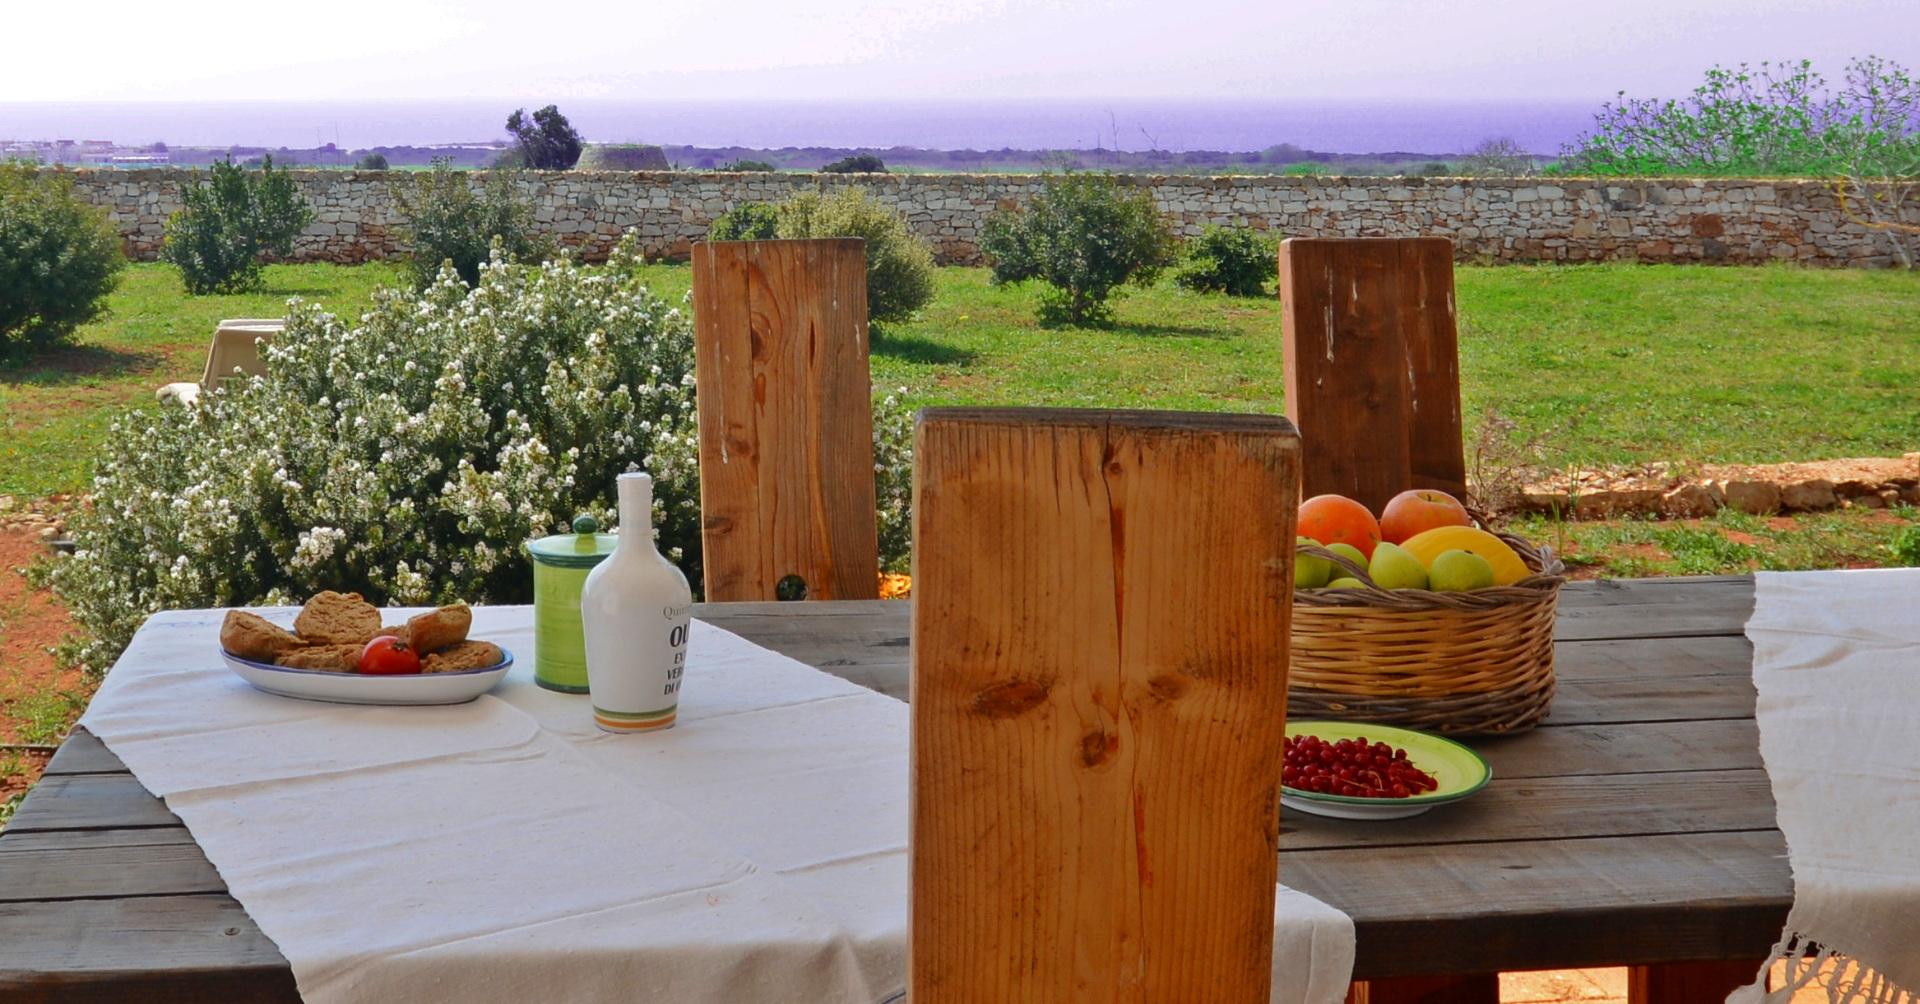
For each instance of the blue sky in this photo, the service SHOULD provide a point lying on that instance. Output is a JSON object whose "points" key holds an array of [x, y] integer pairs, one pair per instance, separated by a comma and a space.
{"points": [[919, 49]]}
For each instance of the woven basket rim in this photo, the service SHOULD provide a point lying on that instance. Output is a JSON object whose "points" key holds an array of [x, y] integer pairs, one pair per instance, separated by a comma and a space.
{"points": [[1549, 575]]}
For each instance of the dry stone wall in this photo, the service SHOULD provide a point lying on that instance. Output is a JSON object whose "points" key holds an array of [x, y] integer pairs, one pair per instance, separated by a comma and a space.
{"points": [[1501, 220]]}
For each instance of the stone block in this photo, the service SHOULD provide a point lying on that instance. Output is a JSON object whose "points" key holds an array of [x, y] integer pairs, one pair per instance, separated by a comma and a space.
{"points": [[1691, 501], [1760, 498], [1808, 496]]}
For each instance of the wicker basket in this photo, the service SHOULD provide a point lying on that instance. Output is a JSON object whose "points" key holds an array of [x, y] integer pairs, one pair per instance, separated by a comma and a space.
{"points": [[1477, 662]]}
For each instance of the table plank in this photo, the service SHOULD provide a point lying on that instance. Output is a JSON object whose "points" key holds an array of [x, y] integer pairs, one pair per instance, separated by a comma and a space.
{"points": [[90, 801], [163, 949], [1553, 904], [103, 864], [84, 753]]}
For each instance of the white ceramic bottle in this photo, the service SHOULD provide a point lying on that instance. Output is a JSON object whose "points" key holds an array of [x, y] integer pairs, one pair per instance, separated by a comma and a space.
{"points": [[636, 609]]}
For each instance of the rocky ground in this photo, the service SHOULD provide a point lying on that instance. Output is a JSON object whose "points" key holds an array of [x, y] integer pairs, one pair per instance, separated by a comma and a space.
{"points": [[1702, 490]]}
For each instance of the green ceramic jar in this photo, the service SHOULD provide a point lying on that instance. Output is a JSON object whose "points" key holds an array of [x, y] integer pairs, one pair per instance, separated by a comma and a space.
{"points": [[560, 566]]}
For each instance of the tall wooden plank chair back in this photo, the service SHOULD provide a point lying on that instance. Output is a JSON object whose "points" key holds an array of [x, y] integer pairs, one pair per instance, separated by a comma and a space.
{"points": [[1372, 365], [1102, 601], [786, 420]]}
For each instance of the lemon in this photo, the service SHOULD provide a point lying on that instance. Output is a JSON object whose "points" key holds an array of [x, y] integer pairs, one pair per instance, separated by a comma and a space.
{"points": [[1507, 566]]}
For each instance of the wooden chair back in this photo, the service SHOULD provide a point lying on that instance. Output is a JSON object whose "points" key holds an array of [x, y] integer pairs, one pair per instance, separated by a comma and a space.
{"points": [[786, 420], [1372, 365], [1099, 665]]}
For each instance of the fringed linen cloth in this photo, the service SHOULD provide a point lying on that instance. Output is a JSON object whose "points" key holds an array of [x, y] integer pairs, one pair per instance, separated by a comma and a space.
{"points": [[1836, 661]]}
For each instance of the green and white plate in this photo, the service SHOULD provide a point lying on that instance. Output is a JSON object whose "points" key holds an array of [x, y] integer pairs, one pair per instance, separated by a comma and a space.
{"points": [[1459, 770]]}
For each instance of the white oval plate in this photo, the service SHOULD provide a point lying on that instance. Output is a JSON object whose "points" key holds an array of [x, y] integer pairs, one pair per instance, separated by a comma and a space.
{"points": [[353, 688]]}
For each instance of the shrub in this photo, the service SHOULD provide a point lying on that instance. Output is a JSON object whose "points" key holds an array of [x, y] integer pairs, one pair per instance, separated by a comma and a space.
{"points": [[371, 162], [546, 141], [232, 221], [1906, 547], [448, 223], [899, 263], [1498, 157], [748, 221], [1238, 261], [59, 258], [1084, 235], [859, 163], [748, 166], [407, 454]]}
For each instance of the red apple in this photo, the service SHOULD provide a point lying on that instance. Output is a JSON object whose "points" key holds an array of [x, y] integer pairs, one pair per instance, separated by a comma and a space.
{"points": [[1419, 511]]}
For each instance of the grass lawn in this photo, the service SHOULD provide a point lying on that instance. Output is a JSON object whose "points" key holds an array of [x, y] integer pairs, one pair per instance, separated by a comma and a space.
{"points": [[54, 410], [1599, 363]]}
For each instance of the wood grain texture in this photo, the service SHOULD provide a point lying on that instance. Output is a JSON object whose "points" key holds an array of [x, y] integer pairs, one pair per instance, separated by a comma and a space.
{"points": [[786, 421], [166, 949], [1372, 364], [1688, 982], [1099, 667]]}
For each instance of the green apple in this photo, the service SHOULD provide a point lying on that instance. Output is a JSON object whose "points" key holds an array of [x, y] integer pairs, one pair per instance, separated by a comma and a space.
{"points": [[1349, 552], [1346, 582], [1393, 568], [1458, 571], [1310, 572]]}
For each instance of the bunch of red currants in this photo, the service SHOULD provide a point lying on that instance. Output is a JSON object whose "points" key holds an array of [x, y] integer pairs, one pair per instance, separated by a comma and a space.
{"points": [[1352, 767]]}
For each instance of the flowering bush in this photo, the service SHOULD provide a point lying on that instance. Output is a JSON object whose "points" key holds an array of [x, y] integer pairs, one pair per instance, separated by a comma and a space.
{"points": [[407, 455]]}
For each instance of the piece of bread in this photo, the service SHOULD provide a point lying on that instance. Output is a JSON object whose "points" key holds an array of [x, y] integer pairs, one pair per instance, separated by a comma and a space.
{"points": [[438, 629], [332, 618], [462, 656], [400, 631], [327, 658], [251, 636]]}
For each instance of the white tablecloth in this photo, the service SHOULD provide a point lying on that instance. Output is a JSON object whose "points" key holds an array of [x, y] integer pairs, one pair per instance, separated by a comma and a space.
{"points": [[506, 850], [1836, 662]]}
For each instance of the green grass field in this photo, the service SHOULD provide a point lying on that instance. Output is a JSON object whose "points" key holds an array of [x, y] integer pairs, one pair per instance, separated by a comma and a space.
{"points": [[1599, 364]]}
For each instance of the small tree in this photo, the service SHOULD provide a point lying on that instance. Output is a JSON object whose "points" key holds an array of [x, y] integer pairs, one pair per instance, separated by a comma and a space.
{"points": [[1498, 157], [230, 223], [748, 221], [859, 163], [59, 258], [1084, 235], [371, 162], [447, 222], [745, 166], [547, 141], [1238, 261], [899, 263]]}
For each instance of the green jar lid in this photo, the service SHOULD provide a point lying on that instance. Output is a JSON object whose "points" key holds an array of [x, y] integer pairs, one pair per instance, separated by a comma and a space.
{"points": [[585, 547]]}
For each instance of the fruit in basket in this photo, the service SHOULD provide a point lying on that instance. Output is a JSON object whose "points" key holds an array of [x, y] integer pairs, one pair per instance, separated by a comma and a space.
{"points": [[1349, 552], [1458, 571], [1310, 572], [1416, 511], [1393, 568], [1507, 566], [1337, 519], [1346, 582]]}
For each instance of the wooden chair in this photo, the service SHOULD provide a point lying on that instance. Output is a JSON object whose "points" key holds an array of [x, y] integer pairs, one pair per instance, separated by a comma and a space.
{"points": [[1372, 364], [786, 423], [1102, 602]]}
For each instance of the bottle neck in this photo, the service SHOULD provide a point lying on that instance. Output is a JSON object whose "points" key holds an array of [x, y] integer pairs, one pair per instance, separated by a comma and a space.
{"points": [[636, 511]]}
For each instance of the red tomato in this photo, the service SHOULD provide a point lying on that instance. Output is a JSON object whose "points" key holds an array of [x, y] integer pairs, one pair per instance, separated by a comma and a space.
{"points": [[388, 656]]}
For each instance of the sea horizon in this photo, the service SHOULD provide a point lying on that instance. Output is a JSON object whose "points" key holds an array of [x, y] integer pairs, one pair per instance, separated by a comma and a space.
{"points": [[1177, 125]]}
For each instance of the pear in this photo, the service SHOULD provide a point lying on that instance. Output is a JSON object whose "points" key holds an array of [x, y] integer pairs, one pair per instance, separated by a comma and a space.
{"points": [[1349, 552], [1346, 582], [1458, 571], [1393, 568], [1310, 572]]}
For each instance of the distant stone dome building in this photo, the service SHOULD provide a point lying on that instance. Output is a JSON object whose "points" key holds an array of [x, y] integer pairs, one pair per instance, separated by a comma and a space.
{"points": [[623, 157]]}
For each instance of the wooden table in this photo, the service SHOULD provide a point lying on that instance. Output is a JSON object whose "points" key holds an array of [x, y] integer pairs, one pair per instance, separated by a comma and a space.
{"points": [[1636, 827]]}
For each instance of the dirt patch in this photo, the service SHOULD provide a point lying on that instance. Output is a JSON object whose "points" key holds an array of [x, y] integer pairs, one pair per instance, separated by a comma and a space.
{"points": [[38, 698]]}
